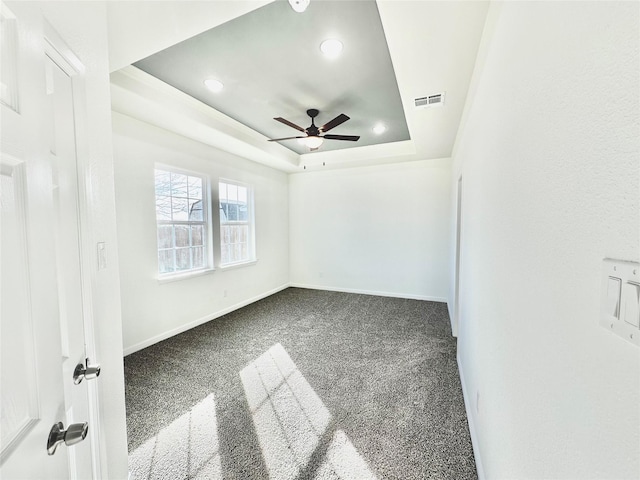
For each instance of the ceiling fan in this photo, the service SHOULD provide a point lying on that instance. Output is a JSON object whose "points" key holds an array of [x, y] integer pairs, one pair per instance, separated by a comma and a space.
{"points": [[314, 136]]}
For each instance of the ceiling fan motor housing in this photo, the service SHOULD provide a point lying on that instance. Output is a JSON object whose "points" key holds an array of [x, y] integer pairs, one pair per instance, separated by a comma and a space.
{"points": [[312, 131]]}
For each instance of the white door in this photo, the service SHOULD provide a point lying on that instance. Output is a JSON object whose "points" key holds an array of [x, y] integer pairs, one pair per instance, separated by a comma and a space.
{"points": [[43, 307]]}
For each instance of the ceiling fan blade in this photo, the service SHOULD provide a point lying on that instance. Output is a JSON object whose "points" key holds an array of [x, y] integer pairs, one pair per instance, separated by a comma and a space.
{"points": [[334, 123], [291, 124], [286, 138], [351, 138]]}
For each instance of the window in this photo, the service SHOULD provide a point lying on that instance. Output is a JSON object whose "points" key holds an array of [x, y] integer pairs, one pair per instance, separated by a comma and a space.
{"points": [[182, 218], [236, 223]]}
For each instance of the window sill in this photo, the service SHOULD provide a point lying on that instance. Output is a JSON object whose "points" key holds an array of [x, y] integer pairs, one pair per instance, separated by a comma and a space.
{"points": [[231, 266], [183, 276]]}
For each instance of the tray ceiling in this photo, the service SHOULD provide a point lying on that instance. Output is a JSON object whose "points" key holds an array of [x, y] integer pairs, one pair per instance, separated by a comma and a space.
{"points": [[270, 63]]}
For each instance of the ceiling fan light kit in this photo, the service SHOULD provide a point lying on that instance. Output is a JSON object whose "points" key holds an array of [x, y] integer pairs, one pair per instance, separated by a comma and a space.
{"points": [[313, 142], [314, 136]]}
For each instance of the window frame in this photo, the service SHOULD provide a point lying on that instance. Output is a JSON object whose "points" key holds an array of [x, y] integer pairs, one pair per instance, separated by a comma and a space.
{"points": [[206, 222], [250, 222]]}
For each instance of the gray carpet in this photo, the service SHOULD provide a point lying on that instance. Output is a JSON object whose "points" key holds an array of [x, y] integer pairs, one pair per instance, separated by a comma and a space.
{"points": [[304, 384]]}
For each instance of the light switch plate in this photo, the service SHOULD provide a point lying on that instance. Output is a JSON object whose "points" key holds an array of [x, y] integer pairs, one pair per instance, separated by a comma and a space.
{"points": [[613, 319]]}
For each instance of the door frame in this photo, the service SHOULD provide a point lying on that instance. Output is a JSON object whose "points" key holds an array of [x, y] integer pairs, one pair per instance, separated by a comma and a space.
{"points": [[60, 53], [456, 299]]}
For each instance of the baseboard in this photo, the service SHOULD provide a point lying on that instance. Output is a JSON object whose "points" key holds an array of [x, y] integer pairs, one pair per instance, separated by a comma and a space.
{"points": [[207, 318], [472, 429], [370, 292]]}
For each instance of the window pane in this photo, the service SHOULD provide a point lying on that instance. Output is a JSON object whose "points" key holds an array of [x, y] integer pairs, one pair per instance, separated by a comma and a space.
{"points": [[183, 259], [163, 208], [243, 213], [165, 236], [232, 193], [235, 209], [195, 187], [224, 212], [182, 228], [182, 236], [180, 209], [222, 191], [242, 194], [165, 261], [178, 185], [197, 235], [233, 213], [228, 234], [163, 183], [195, 210], [198, 257]]}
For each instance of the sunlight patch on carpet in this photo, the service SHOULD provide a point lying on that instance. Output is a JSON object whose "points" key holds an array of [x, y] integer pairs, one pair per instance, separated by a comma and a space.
{"points": [[186, 448], [291, 420]]}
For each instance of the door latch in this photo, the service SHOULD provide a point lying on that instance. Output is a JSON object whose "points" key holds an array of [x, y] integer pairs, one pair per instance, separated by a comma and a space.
{"points": [[85, 371], [72, 435]]}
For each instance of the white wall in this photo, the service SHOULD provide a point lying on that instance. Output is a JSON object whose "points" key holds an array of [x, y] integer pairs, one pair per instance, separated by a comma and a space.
{"points": [[549, 154], [151, 310], [380, 229]]}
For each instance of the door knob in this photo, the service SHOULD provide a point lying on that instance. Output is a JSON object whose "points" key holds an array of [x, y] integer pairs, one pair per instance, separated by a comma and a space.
{"points": [[85, 371], [72, 435]]}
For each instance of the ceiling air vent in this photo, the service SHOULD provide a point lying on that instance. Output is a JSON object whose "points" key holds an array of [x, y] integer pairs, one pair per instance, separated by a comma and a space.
{"points": [[435, 100]]}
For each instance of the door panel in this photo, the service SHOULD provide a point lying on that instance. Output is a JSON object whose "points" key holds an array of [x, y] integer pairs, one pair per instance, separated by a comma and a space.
{"points": [[42, 323], [20, 400]]}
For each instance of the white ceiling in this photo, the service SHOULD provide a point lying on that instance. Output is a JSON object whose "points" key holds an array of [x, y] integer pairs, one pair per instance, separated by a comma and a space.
{"points": [[432, 45]]}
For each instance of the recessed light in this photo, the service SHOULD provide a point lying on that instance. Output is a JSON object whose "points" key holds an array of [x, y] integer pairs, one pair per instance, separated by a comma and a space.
{"points": [[299, 5], [331, 48], [214, 85], [379, 129]]}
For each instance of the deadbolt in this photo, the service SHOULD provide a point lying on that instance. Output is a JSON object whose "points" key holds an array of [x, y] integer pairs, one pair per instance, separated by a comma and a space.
{"points": [[85, 371], [72, 435]]}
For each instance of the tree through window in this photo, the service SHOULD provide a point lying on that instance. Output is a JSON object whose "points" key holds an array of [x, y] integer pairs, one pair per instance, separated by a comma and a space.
{"points": [[181, 217]]}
